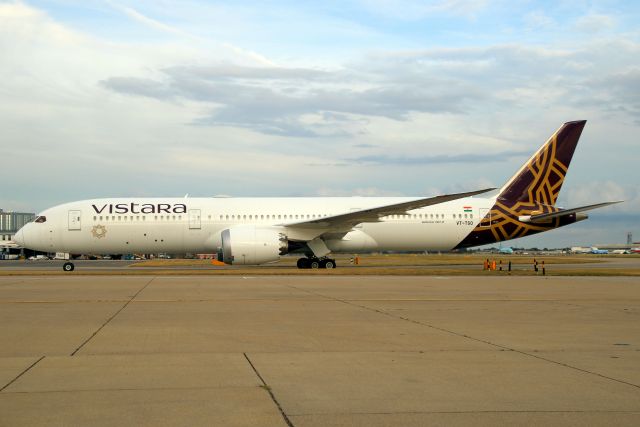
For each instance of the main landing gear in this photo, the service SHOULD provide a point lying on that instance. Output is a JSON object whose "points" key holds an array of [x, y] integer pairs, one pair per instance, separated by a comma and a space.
{"points": [[314, 262], [68, 266]]}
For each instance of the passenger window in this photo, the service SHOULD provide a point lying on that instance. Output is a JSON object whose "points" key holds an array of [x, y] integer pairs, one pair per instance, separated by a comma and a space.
{"points": [[94, 218], [101, 218]]}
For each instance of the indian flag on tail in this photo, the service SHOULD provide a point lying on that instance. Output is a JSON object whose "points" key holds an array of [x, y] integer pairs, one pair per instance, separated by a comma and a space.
{"points": [[467, 208]]}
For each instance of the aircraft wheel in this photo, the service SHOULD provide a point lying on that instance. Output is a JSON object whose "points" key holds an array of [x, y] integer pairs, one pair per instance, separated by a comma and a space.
{"points": [[68, 266], [329, 263], [303, 263]]}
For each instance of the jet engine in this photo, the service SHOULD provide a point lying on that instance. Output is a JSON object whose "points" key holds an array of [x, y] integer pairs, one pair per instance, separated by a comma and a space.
{"points": [[251, 245]]}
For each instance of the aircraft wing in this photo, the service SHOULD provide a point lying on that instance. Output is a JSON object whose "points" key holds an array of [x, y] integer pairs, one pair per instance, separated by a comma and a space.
{"points": [[551, 215], [307, 230]]}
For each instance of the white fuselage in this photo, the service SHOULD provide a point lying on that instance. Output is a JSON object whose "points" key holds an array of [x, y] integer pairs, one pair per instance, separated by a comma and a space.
{"points": [[194, 225]]}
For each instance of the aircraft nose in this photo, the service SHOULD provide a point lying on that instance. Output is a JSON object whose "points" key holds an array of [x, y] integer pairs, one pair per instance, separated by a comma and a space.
{"points": [[19, 238]]}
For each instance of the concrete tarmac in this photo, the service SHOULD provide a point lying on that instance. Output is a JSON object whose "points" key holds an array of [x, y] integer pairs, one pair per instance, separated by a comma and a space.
{"points": [[319, 351]]}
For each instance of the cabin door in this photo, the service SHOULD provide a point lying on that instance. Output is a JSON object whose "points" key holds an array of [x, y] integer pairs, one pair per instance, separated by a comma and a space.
{"points": [[74, 220], [194, 219]]}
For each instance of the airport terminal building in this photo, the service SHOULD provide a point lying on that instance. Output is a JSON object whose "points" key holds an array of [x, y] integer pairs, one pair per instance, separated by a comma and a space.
{"points": [[11, 222]]}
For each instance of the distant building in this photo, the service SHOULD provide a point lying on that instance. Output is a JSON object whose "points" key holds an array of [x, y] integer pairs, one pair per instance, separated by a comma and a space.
{"points": [[11, 222]]}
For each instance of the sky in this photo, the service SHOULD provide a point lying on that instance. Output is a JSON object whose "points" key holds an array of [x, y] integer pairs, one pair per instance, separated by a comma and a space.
{"points": [[102, 98]]}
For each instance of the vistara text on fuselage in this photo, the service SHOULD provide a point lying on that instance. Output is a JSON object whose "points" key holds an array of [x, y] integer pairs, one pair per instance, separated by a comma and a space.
{"points": [[253, 231]]}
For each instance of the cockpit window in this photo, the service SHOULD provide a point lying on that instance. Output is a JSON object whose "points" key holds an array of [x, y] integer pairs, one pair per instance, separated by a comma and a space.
{"points": [[41, 219]]}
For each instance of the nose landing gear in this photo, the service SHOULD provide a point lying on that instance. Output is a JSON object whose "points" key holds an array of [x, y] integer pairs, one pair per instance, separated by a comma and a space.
{"points": [[68, 266], [314, 262]]}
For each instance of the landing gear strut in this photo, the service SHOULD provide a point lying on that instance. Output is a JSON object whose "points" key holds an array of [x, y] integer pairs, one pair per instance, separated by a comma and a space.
{"points": [[314, 262], [68, 266]]}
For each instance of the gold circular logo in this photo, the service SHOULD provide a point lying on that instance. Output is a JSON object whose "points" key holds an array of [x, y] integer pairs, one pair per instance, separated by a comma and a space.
{"points": [[99, 231]]}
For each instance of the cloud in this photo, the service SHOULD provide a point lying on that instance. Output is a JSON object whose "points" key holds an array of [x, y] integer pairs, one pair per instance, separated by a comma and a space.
{"points": [[378, 159], [605, 191], [619, 91], [145, 20], [294, 101], [311, 102], [411, 10], [594, 23], [538, 20], [155, 24]]}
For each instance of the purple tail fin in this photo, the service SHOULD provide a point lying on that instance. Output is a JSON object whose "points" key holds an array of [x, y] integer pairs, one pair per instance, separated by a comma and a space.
{"points": [[540, 179], [533, 190]]}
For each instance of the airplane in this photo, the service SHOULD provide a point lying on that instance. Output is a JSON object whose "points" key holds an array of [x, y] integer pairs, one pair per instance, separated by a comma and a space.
{"points": [[621, 251], [506, 250], [253, 231], [597, 251]]}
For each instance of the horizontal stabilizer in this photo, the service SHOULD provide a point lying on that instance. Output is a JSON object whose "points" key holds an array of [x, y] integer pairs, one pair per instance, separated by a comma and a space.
{"points": [[564, 212]]}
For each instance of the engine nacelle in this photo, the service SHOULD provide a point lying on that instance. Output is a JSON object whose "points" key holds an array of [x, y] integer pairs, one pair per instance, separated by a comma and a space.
{"points": [[251, 245]]}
